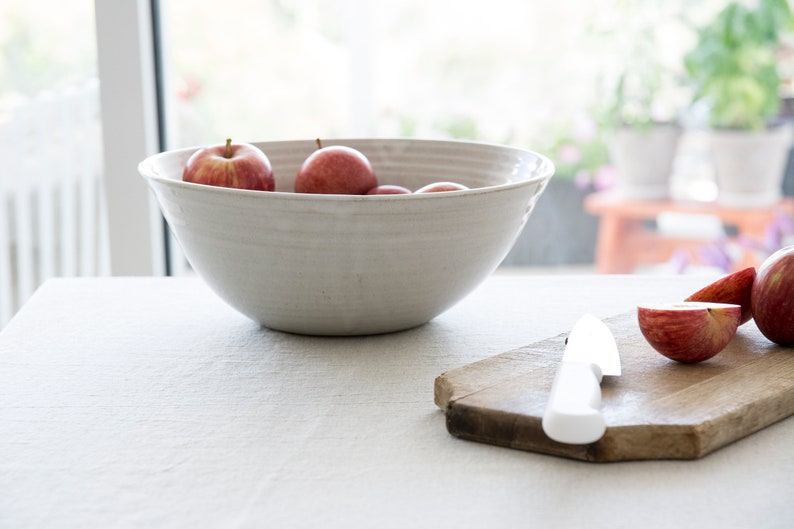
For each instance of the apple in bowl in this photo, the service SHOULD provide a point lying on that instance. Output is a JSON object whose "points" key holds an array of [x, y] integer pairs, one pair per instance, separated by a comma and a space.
{"points": [[440, 187], [336, 169], [389, 189], [237, 165]]}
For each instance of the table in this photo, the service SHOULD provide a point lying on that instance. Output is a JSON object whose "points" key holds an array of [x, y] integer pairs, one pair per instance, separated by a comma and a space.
{"points": [[624, 241], [147, 402]]}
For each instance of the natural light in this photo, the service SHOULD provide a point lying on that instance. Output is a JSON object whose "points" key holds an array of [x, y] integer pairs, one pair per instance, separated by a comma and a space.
{"points": [[540, 75]]}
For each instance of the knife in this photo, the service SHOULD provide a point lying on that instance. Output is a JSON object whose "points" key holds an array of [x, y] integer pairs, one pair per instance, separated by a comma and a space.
{"points": [[573, 412]]}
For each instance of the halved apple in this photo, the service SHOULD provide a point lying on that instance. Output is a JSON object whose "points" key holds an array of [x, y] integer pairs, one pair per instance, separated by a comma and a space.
{"points": [[735, 288], [689, 331]]}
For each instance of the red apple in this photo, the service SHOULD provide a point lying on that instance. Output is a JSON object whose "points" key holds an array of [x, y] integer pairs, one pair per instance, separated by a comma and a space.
{"points": [[689, 331], [239, 165], [773, 297], [335, 169], [438, 187], [388, 189], [734, 288]]}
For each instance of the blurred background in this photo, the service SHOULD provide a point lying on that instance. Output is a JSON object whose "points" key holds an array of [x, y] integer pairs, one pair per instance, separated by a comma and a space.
{"points": [[563, 78]]}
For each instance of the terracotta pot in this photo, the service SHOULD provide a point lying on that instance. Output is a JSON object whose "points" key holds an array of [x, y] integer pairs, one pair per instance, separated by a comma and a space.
{"points": [[750, 166]]}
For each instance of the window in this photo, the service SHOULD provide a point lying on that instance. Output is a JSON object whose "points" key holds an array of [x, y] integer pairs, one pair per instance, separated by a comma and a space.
{"points": [[52, 208], [508, 71]]}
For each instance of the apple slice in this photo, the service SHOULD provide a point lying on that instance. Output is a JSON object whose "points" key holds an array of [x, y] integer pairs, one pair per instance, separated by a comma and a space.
{"points": [[689, 331], [735, 288]]}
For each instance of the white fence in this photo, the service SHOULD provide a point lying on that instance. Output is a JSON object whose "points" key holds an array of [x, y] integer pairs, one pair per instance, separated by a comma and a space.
{"points": [[52, 202]]}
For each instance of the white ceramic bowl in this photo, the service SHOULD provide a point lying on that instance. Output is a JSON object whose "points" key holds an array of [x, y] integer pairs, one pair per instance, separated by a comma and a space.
{"points": [[353, 265]]}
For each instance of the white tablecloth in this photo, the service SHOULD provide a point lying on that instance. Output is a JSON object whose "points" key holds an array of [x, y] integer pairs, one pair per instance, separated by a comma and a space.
{"points": [[147, 402]]}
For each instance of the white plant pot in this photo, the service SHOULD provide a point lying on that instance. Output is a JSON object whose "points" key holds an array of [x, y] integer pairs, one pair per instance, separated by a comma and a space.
{"points": [[750, 166], [644, 160]]}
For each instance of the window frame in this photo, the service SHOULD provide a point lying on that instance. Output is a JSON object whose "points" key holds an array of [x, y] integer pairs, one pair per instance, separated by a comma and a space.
{"points": [[131, 125]]}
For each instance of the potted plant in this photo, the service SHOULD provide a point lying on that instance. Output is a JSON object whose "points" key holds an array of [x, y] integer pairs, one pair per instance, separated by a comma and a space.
{"points": [[735, 72], [639, 101], [642, 144]]}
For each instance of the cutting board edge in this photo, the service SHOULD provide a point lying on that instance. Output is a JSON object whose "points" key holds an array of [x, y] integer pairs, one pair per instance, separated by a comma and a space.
{"points": [[632, 442], [470, 423]]}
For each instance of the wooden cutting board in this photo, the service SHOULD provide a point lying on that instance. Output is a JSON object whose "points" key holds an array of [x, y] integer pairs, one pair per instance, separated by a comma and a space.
{"points": [[657, 409]]}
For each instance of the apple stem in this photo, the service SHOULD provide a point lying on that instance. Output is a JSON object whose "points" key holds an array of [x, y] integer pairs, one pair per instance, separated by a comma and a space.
{"points": [[319, 143], [228, 152]]}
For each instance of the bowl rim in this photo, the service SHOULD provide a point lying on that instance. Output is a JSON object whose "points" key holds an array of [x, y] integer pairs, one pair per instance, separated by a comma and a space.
{"points": [[546, 169]]}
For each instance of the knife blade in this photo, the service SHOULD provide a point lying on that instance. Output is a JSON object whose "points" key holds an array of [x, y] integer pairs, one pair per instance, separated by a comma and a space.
{"points": [[573, 413]]}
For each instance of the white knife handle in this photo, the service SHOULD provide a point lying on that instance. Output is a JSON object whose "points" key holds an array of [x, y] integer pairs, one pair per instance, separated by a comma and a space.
{"points": [[572, 414]]}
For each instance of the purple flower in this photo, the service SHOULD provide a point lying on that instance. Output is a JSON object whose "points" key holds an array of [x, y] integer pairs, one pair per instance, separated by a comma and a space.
{"points": [[772, 236], [582, 178], [777, 234], [716, 254], [605, 177], [569, 154], [780, 230], [785, 223], [680, 260]]}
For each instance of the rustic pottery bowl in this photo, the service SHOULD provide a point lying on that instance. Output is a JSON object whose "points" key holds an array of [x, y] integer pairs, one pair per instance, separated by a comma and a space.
{"points": [[353, 265]]}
